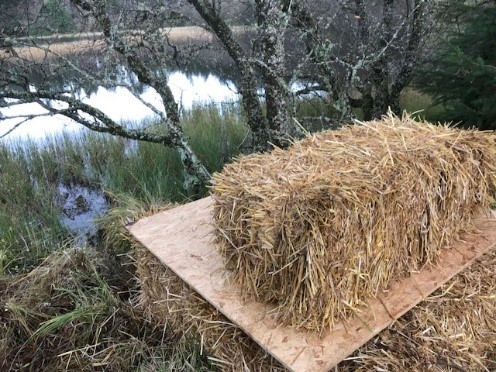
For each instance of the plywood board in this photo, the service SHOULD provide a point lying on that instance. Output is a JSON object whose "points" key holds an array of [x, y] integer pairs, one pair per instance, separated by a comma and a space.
{"points": [[181, 238]]}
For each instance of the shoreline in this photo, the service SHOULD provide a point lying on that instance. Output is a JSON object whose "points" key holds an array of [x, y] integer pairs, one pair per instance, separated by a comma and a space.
{"points": [[36, 48]]}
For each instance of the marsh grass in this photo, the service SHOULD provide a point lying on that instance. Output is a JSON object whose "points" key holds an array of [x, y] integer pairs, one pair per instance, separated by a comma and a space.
{"points": [[67, 308], [31, 172], [29, 221], [421, 105], [69, 314]]}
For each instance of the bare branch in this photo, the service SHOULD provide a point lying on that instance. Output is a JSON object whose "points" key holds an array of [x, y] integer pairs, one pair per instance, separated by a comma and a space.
{"points": [[25, 118]]}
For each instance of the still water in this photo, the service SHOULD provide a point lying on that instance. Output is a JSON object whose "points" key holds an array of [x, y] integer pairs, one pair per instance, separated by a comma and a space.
{"points": [[120, 105]]}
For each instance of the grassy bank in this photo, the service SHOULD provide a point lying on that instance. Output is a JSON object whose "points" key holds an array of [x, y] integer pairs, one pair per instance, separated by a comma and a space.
{"points": [[35, 48], [150, 173], [68, 308]]}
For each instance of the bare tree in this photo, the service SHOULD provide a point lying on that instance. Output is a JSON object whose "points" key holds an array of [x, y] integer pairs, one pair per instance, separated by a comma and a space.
{"points": [[349, 53], [17, 87], [379, 45]]}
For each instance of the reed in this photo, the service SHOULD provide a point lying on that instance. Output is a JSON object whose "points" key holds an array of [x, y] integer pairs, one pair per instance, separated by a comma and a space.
{"points": [[31, 172]]}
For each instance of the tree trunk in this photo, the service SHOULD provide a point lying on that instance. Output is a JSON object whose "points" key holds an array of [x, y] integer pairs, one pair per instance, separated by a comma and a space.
{"points": [[411, 54], [272, 22], [194, 172], [380, 69], [386, 86], [248, 86]]}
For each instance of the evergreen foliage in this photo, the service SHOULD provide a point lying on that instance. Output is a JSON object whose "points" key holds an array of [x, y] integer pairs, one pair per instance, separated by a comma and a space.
{"points": [[462, 75]]}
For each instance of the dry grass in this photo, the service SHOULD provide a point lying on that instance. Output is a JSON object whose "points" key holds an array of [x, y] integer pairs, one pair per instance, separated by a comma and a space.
{"points": [[47, 50], [454, 329], [167, 300], [64, 316], [320, 228], [49, 46]]}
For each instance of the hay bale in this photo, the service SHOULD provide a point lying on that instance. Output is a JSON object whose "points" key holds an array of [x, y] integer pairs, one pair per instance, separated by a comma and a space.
{"points": [[454, 329], [323, 226]]}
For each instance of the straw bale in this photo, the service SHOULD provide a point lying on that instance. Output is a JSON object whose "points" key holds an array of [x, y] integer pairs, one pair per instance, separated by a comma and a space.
{"points": [[167, 300], [454, 329], [321, 227]]}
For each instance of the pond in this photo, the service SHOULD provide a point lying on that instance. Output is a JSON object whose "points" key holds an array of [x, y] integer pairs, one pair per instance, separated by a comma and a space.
{"points": [[80, 205], [121, 105]]}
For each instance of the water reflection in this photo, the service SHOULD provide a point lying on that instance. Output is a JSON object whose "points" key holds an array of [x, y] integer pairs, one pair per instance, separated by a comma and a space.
{"points": [[80, 207], [121, 105]]}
